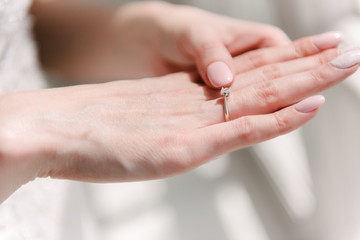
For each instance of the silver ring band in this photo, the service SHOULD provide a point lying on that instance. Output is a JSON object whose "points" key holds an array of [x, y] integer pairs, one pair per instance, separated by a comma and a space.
{"points": [[226, 93]]}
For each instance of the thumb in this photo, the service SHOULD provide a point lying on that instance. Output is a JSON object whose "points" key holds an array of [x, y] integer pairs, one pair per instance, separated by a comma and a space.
{"points": [[214, 62]]}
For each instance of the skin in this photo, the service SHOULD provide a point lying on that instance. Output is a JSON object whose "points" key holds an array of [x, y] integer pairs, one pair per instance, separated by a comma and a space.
{"points": [[90, 43], [157, 127]]}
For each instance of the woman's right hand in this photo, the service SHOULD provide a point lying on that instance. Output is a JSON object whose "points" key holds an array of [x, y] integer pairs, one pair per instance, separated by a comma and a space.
{"points": [[158, 127]]}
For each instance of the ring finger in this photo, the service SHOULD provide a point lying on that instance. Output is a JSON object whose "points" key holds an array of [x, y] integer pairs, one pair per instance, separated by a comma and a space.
{"points": [[269, 96]]}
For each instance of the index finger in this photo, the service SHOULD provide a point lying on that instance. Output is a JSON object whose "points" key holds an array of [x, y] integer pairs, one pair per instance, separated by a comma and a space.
{"points": [[301, 48]]}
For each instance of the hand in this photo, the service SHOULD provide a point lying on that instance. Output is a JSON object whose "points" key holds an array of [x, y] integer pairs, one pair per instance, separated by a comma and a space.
{"points": [[85, 42], [167, 38], [158, 127]]}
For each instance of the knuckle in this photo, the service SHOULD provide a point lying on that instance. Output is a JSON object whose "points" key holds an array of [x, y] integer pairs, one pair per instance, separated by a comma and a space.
{"points": [[178, 154], [266, 93], [245, 130], [298, 50], [282, 124], [257, 59], [319, 60], [318, 77], [209, 45], [326, 56], [322, 59], [271, 71]]}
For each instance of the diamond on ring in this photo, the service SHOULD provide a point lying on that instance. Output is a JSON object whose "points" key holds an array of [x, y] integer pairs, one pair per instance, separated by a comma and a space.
{"points": [[225, 92]]}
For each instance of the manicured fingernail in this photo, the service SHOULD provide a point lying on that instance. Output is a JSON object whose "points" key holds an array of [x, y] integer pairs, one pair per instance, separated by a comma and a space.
{"points": [[328, 40], [347, 59], [219, 74], [310, 104], [349, 48]]}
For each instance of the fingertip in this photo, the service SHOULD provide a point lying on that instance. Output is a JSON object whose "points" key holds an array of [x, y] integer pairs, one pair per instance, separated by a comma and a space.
{"points": [[347, 59], [328, 40], [310, 104], [214, 62], [219, 74]]}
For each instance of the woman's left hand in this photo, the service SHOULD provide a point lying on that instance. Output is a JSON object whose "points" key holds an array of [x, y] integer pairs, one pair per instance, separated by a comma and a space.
{"points": [[158, 127]]}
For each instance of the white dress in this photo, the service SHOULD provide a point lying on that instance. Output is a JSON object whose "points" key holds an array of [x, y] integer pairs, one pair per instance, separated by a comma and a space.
{"points": [[34, 212]]}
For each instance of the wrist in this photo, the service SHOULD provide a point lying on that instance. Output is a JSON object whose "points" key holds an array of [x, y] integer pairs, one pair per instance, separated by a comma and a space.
{"points": [[24, 147], [17, 165]]}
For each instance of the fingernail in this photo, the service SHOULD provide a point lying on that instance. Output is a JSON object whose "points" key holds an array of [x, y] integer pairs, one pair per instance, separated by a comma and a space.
{"points": [[328, 40], [310, 104], [219, 74], [349, 48], [347, 59]]}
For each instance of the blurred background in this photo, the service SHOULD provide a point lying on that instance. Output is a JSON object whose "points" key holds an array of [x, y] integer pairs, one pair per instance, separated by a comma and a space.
{"points": [[304, 185]]}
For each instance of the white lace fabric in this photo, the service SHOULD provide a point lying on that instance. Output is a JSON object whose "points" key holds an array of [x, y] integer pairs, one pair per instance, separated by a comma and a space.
{"points": [[18, 66]]}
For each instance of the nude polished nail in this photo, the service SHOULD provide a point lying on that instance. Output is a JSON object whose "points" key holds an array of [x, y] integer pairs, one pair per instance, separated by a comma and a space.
{"points": [[328, 40], [347, 59], [310, 104], [219, 74], [349, 48]]}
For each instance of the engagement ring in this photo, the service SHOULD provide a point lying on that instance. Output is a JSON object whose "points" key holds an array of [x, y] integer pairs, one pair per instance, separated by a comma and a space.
{"points": [[225, 92]]}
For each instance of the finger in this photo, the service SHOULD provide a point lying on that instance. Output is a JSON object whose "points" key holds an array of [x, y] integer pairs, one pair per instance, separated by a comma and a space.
{"points": [[256, 35], [266, 97], [300, 48], [278, 70], [242, 132], [213, 60], [215, 64]]}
